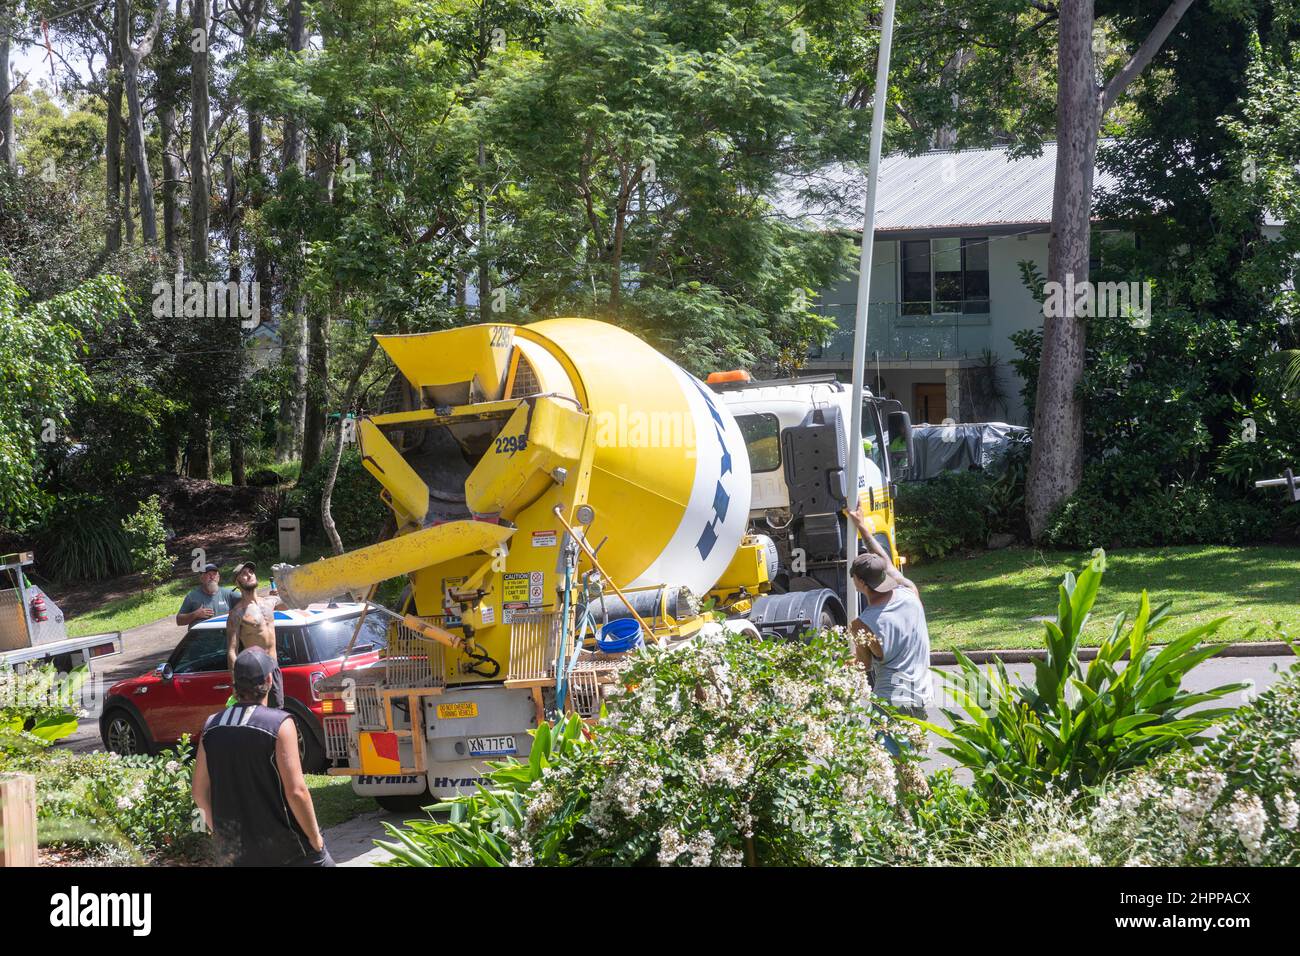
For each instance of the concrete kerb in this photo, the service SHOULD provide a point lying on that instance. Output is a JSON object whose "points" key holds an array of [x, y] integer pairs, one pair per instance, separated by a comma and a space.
{"points": [[1024, 655]]}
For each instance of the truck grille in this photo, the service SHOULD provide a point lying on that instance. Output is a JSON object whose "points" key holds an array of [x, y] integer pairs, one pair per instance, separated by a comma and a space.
{"points": [[336, 738], [370, 708], [534, 637], [413, 660]]}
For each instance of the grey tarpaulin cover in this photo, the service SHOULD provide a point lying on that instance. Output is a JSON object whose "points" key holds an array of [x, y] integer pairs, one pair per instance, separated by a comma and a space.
{"points": [[941, 448]]}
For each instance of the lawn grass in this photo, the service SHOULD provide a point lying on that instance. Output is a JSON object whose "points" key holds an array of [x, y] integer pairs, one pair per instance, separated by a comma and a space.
{"points": [[164, 600], [335, 801], [143, 607], [988, 600]]}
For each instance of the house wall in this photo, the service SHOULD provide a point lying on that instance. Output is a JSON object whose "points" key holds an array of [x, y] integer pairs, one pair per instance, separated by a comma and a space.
{"points": [[1011, 308]]}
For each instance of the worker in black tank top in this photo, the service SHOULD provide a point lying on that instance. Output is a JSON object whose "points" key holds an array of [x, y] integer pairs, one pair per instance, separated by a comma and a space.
{"points": [[248, 780]]}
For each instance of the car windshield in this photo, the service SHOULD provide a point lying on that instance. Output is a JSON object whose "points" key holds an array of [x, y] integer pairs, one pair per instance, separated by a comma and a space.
{"points": [[330, 638]]}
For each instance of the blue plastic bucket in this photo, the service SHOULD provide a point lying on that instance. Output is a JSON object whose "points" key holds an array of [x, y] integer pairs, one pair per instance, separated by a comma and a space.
{"points": [[621, 636]]}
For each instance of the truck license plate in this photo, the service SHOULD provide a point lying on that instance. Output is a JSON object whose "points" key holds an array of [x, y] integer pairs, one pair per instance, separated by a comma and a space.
{"points": [[450, 711], [491, 746]]}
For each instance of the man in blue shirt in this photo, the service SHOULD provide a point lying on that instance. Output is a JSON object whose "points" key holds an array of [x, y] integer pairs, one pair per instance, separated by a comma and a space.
{"points": [[890, 635], [206, 600]]}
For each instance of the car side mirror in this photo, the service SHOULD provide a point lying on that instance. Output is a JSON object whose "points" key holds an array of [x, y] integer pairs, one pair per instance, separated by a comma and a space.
{"points": [[164, 671]]}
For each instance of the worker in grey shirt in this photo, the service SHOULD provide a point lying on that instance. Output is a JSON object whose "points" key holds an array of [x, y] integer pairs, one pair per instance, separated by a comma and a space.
{"points": [[206, 600], [891, 635]]}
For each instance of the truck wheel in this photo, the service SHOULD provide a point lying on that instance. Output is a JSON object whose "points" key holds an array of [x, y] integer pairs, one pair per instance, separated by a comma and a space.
{"points": [[310, 753], [122, 734], [406, 802]]}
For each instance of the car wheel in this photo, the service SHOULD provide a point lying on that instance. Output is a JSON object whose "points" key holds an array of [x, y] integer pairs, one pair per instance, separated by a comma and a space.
{"points": [[310, 753], [123, 734], [406, 802]]}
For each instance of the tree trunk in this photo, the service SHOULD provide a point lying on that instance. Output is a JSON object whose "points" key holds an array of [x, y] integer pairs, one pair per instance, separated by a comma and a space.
{"points": [[8, 148], [199, 171], [200, 447], [132, 57], [327, 492], [313, 442], [233, 225], [113, 149], [1056, 461], [127, 212], [171, 179], [289, 437]]}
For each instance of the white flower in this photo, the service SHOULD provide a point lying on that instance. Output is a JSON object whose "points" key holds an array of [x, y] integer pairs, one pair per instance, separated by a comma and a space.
{"points": [[1246, 815], [171, 766], [1062, 847], [701, 848], [1295, 756], [671, 846], [1288, 811], [124, 803]]}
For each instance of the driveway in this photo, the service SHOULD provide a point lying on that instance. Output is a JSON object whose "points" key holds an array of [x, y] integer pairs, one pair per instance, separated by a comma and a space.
{"points": [[143, 649]]}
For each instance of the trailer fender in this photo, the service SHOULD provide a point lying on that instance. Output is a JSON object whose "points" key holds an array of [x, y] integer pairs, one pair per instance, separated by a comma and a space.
{"points": [[789, 616]]}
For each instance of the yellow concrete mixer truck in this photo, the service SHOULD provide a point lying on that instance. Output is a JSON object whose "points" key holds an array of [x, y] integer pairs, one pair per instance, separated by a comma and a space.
{"points": [[561, 492]]}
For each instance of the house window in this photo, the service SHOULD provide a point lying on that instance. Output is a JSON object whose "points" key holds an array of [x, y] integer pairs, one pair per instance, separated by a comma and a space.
{"points": [[945, 276]]}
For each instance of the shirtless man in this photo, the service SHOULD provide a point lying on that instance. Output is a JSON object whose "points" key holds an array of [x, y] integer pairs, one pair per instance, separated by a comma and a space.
{"points": [[251, 623]]}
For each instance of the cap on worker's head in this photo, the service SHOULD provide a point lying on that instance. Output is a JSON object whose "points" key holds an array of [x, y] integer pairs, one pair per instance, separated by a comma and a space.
{"points": [[253, 670], [873, 571], [211, 567], [247, 564]]}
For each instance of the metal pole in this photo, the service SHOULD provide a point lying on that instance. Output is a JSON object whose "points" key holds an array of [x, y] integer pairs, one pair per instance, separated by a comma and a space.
{"points": [[864, 293]]}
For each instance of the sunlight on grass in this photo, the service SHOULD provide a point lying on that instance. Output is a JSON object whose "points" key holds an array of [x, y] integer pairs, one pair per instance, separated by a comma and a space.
{"points": [[335, 801], [989, 600]]}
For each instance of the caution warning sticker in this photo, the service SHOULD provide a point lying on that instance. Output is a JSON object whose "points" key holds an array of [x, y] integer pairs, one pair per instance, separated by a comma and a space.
{"points": [[544, 539]]}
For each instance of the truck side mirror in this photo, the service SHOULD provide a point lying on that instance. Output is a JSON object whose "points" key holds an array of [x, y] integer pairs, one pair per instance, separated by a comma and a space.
{"points": [[900, 427]]}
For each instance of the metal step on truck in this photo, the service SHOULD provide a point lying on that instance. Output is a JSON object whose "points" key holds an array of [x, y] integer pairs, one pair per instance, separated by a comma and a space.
{"points": [[32, 629]]}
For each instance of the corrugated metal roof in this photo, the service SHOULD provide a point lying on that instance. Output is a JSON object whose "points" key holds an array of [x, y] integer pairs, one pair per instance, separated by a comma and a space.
{"points": [[944, 189]]}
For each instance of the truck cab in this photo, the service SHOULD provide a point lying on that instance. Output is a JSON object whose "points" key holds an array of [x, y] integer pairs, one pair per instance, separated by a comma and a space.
{"points": [[796, 434]]}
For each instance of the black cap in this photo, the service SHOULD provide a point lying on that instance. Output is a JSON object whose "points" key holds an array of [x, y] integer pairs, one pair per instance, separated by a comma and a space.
{"points": [[211, 567], [246, 564], [253, 669], [873, 571]]}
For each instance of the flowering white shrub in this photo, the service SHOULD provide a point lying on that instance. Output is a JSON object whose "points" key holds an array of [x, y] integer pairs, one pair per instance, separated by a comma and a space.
{"points": [[1236, 802], [719, 752], [728, 751]]}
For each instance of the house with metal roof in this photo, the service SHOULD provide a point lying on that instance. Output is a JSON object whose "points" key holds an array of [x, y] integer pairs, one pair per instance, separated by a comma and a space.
{"points": [[952, 228]]}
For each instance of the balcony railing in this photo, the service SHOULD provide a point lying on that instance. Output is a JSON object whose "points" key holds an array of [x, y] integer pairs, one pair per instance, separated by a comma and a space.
{"points": [[898, 336]]}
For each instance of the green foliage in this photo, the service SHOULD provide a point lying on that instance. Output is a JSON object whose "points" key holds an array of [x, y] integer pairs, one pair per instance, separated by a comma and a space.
{"points": [[479, 826], [137, 803], [724, 751], [40, 350], [82, 539], [147, 538], [945, 514], [359, 513], [1074, 725], [38, 706], [1182, 513]]}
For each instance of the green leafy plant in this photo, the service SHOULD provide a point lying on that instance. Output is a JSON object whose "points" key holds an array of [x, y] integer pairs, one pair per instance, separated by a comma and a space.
{"points": [[720, 751], [81, 539], [1073, 726], [478, 827], [38, 706], [944, 514], [147, 538]]}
